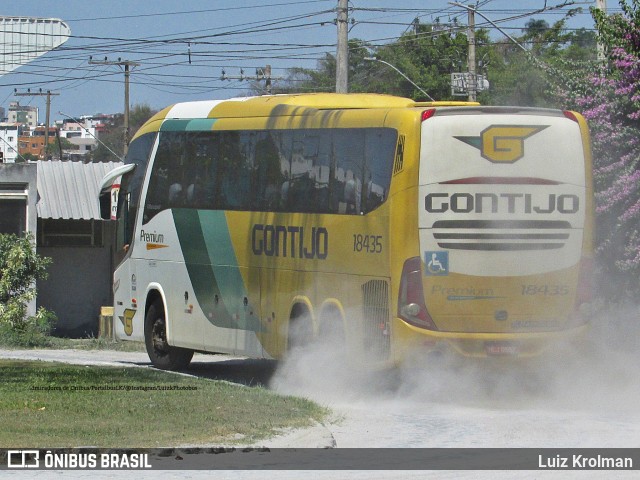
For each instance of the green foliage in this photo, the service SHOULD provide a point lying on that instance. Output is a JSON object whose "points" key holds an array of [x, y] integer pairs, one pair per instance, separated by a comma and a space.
{"points": [[20, 267], [34, 331], [67, 146], [619, 30], [114, 136], [27, 157], [429, 53], [551, 60], [610, 99]]}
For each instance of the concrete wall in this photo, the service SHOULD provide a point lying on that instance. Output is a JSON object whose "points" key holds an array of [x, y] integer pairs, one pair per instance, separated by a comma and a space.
{"points": [[79, 283]]}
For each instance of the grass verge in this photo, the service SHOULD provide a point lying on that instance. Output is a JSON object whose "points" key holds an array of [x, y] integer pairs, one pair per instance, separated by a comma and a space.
{"points": [[57, 405], [95, 343], [11, 339]]}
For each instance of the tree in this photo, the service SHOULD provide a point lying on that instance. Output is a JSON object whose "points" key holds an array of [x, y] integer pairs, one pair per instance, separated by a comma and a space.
{"points": [[67, 146], [114, 136], [20, 266], [323, 77], [552, 58], [536, 28], [427, 55], [609, 98]]}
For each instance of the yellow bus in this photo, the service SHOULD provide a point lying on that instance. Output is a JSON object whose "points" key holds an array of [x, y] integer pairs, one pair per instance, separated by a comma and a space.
{"points": [[398, 225]]}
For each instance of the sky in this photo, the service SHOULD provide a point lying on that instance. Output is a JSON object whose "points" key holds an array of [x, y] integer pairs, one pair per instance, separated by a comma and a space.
{"points": [[182, 48]]}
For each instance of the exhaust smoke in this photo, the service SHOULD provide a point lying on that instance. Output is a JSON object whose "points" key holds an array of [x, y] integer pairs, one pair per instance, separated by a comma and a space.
{"points": [[494, 402]]}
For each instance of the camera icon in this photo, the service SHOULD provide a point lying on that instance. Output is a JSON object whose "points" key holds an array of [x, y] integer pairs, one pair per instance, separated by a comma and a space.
{"points": [[23, 459]]}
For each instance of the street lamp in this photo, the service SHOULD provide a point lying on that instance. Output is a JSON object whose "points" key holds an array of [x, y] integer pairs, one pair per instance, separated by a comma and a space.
{"points": [[376, 59]]}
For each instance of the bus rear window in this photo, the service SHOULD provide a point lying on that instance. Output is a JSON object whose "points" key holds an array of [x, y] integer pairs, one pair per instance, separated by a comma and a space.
{"points": [[345, 171]]}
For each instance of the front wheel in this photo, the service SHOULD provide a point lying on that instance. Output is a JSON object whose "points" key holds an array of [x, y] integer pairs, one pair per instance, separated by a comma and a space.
{"points": [[161, 354]]}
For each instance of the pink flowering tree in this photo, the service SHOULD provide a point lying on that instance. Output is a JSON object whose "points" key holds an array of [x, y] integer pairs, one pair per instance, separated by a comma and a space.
{"points": [[609, 98]]}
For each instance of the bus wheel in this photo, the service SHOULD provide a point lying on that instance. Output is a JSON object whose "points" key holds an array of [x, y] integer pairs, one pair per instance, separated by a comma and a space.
{"points": [[300, 328], [331, 334], [161, 354]]}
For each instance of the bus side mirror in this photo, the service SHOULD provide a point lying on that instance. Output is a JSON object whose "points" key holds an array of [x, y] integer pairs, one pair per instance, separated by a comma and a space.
{"points": [[105, 204], [110, 189]]}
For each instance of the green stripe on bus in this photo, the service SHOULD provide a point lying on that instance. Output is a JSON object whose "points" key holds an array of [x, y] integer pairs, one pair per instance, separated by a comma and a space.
{"points": [[225, 267], [199, 268], [182, 125], [212, 267], [200, 124]]}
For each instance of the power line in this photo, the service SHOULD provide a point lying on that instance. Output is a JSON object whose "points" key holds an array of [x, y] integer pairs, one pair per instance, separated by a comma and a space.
{"points": [[161, 52], [127, 64], [47, 94], [190, 12]]}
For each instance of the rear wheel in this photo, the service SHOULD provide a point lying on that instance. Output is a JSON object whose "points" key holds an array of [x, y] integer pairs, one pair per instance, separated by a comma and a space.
{"points": [[161, 354], [331, 335], [300, 328]]}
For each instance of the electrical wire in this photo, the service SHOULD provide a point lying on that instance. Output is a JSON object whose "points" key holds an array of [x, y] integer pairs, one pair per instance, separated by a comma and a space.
{"points": [[160, 54]]}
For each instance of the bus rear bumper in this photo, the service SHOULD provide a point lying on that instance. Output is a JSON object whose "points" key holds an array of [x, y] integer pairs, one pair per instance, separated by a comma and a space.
{"points": [[410, 340]]}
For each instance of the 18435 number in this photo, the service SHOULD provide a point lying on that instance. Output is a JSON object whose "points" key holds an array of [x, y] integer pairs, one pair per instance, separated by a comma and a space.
{"points": [[367, 243], [545, 290]]}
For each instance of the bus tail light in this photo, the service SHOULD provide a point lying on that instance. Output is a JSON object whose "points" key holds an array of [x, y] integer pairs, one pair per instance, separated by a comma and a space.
{"points": [[570, 115], [411, 305], [427, 114]]}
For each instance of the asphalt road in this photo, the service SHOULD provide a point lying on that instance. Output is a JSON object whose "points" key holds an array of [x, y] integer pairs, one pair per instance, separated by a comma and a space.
{"points": [[581, 399]]}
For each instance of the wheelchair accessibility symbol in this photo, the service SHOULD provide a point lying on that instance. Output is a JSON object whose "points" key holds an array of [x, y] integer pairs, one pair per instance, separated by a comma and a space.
{"points": [[437, 263]]}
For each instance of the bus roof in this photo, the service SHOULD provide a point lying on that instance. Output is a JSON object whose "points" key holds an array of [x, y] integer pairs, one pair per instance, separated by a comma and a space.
{"points": [[286, 105]]}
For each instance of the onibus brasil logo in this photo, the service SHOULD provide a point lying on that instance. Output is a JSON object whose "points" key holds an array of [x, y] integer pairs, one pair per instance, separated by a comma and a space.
{"points": [[502, 143]]}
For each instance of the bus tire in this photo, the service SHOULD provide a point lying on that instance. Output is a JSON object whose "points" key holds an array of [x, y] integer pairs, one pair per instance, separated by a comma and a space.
{"points": [[331, 334], [331, 326], [161, 354], [300, 328]]}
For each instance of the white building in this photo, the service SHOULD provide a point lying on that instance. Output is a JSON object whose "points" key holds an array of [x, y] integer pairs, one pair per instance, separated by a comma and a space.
{"points": [[9, 133], [87, 126], [70, 130], [24, 114]]}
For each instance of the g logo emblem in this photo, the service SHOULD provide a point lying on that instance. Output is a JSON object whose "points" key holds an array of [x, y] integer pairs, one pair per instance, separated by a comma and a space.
{"points": [[503, 143], [127, 321]]}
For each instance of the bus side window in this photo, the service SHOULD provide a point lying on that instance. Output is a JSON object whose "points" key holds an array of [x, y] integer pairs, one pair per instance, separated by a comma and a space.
{"points": [[226, 155], [161, 179], [267, 178], [125, 219], [379, 152], [339, 170], [347, 158]]}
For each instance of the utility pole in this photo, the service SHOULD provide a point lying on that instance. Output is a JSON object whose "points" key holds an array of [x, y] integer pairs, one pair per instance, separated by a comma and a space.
{"points": [[471, 60], [342, 53], [48, 94], [126, 64], [601, 5], [261, 74], [267, 79]]}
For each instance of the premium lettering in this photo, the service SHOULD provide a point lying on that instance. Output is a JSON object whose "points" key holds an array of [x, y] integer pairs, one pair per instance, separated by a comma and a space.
{"points": [[501, 203], [290, 241], [151, 237]]}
